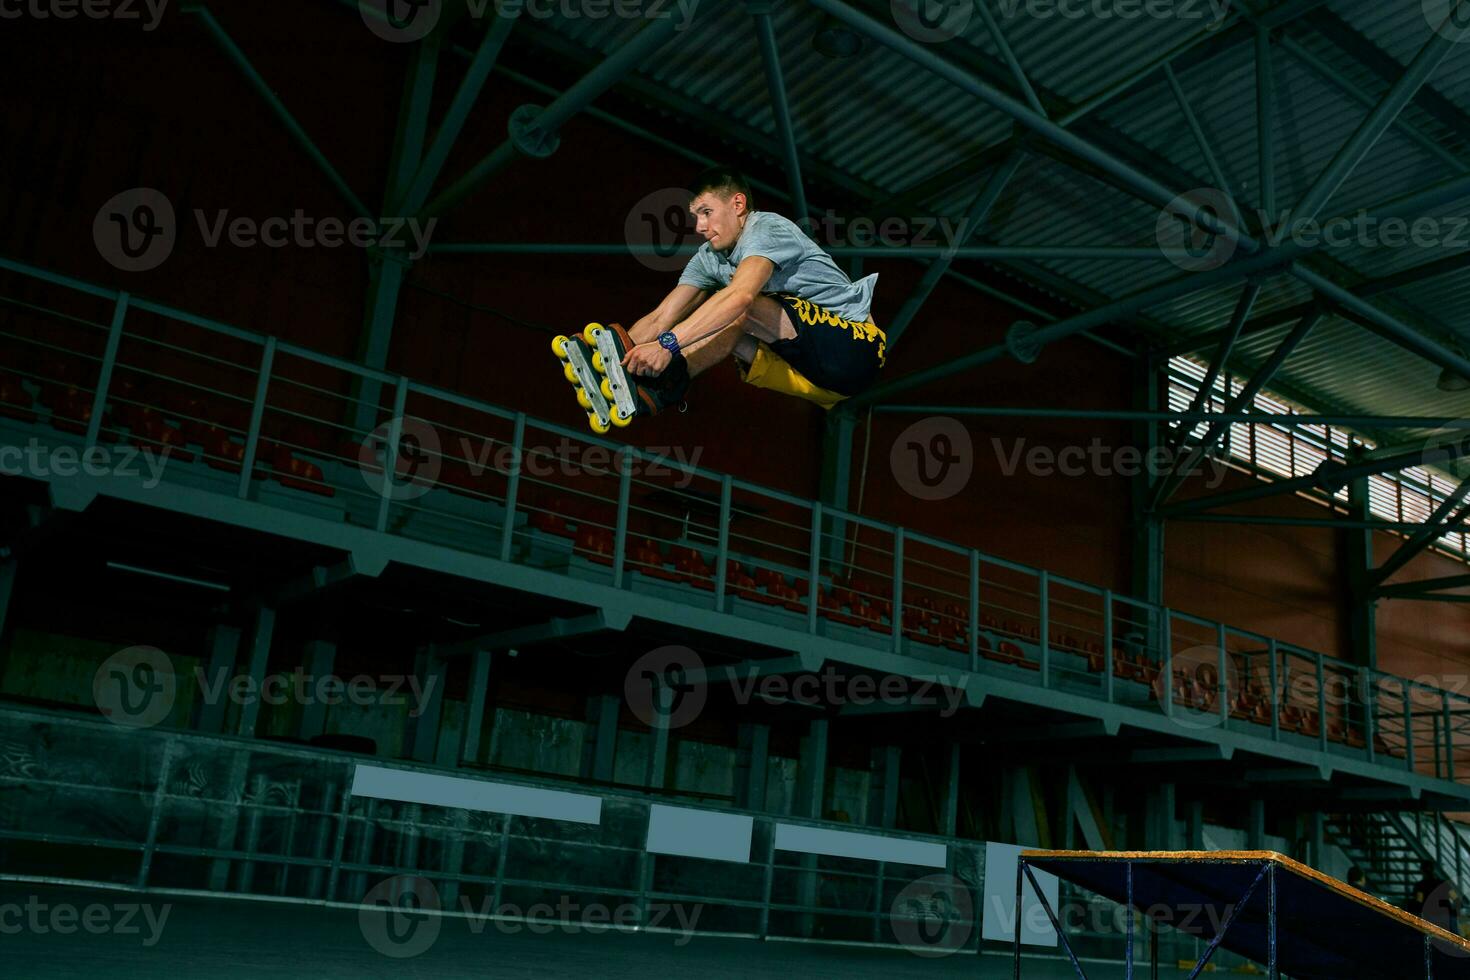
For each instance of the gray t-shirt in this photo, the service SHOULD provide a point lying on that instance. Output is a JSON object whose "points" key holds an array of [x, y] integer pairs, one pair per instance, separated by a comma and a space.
{"points": [[802, 268]]}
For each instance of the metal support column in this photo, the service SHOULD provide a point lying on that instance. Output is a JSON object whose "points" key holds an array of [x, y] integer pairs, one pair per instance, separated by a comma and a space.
{"points": [[261, 632], [1148, 529], [765, 35], [1358, 554], [754, 752], [887, 762], [602, 735], [949, 819], [423, 730], [474, 706], [319, 660], [812, 771]]}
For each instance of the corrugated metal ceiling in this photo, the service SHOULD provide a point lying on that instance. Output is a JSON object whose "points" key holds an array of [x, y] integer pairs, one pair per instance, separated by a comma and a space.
{"points": [[890, 125]]}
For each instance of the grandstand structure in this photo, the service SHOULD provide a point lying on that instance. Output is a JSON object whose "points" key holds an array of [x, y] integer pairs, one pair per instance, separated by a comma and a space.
{"points": [[790, 689]]}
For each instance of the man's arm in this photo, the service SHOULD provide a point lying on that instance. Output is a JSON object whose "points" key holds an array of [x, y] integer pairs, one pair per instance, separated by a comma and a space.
{"points": [[722, 309], [684, 300], [729, 304]]}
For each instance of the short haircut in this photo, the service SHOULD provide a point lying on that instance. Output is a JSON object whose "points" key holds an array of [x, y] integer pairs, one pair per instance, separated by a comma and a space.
{"points": [[724, 181]]}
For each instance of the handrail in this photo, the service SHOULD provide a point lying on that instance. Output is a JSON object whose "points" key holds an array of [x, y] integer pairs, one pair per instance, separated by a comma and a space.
{"points": [[1164, 615]]}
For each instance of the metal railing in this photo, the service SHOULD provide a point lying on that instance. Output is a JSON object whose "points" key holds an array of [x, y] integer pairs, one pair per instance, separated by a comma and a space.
{"points": [[261, 419]]}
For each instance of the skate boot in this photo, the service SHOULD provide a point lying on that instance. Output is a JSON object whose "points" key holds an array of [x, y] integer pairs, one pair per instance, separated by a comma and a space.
{"points": [[630, 396], [576, 364]]}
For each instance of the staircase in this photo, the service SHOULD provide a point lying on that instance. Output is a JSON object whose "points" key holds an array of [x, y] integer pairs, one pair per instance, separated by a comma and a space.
{"points": [[1389, 848]]}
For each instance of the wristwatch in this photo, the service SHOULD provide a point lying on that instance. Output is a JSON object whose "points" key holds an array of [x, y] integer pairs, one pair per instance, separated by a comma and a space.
{"points": [[669, 342]]}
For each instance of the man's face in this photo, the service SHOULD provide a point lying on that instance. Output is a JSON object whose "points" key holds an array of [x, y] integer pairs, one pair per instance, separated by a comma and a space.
{"points": [[718, 219]]}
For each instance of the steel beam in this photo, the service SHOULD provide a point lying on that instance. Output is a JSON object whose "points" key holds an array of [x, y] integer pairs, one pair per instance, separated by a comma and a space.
{"points": [[413, 122], [993, 252], [1406, 590], [1136, 415], [1441, 42], [1117, 310], [977, 215], [765, 34], [1014, 63], [273, 101], [262, 631], [1222, 356], [1266, 122], [432, 163], [1419, 273], [1439, 523], [1217, 174], [543, 125], [1262, 376], [1329, 476]]}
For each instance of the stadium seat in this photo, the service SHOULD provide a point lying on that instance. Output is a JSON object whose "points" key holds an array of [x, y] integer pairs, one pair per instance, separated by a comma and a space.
{"points": [[594, 543], [15, 400]]}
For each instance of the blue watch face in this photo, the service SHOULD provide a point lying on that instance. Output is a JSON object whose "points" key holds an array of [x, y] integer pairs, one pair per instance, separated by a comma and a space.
{"points": [[668, 341]]}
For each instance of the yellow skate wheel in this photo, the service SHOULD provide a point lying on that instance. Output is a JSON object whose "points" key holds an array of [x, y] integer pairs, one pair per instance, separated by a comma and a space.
{"points": [[582, 398], [559, 345], [619, 421], [570, 372], [598, 426], [607, 390], [589, 335], [597, 364]]}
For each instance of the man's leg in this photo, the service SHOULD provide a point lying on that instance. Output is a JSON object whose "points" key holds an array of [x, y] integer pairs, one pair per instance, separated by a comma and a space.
{"points": [[765, 320]]}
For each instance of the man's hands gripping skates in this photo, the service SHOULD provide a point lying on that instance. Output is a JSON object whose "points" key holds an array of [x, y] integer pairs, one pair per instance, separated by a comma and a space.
{"points": [[617, 379]]}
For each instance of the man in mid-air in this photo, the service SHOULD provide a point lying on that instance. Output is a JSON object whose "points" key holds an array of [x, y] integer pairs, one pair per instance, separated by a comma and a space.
{"points": [[759, 290]]}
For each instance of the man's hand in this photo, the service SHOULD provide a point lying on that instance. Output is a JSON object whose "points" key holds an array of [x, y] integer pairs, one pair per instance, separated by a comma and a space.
{"points": [[646, 360]]}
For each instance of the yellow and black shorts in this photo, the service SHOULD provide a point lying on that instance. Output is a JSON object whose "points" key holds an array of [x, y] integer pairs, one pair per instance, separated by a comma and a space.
{"points": [[830, 358]]}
